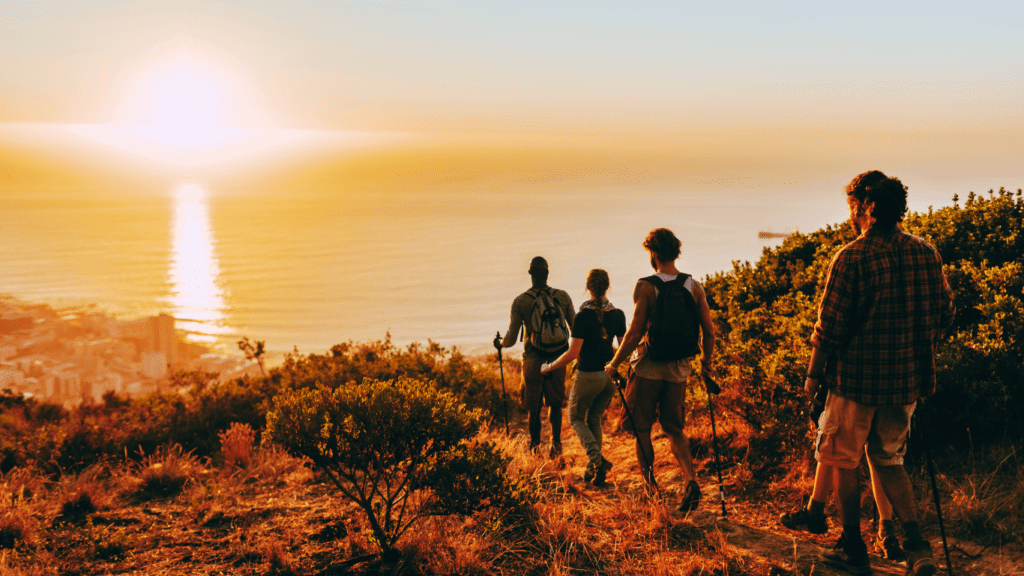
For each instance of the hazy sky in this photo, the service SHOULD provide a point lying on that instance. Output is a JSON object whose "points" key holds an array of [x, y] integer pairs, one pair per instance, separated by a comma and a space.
{"points": [[790, 86], [383, 65]]}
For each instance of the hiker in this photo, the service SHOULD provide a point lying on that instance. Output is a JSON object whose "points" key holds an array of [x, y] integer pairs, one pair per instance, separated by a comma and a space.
{"points": [[544, 314], [885, 304], [812, 517], [595, 326], [671, 324]]}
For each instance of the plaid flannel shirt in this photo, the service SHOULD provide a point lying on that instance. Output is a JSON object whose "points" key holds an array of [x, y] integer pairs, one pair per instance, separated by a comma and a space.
{"points": [[885, 306]]}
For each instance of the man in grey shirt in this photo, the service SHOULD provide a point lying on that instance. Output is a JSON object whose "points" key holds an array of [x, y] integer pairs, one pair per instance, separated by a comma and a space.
{"points": [[550, 387]]}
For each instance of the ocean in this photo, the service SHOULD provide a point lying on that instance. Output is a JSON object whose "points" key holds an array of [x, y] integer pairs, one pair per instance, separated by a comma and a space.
{"points": [[307, 269]]}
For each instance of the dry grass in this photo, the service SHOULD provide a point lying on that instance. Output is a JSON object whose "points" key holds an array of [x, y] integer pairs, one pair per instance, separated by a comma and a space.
{"points": [[983, 502], [166, 472], [276, 517], [236, 445]]}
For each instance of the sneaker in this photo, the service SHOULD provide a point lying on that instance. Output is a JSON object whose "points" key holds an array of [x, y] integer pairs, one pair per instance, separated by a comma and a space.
{"points": [[691, 497], [889, 547], [602, 472], [919, 560], [803, 520], [855, 562], [556, 451], [590, 472]]}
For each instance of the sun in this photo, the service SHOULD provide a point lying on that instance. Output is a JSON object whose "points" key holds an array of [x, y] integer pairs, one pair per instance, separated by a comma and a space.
{"points": [[186, 93]]}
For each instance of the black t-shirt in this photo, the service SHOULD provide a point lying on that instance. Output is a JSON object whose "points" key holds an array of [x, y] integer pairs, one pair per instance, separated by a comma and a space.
{"points": [[597, 348]]}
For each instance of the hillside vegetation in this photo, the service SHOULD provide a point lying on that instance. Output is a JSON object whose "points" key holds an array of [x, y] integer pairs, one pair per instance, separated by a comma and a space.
{"points": [[375, 457]]}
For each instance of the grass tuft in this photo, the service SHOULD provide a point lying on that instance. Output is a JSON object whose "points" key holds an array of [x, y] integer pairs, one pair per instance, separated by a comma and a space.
{"points": [[166, 472]]}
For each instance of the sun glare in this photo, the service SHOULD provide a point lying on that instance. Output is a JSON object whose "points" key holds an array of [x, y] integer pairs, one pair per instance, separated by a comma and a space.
{"points": [[187, 94]]}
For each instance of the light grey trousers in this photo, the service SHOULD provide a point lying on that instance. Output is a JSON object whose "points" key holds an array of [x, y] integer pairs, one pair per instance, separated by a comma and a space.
{"points": [[590, 396]]}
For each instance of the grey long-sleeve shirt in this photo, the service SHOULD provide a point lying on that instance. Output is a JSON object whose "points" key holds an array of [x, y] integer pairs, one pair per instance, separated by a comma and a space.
{"points": [[521, 311]]}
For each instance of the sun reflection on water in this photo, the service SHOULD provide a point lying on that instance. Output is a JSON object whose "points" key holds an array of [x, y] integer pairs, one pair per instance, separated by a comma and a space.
{"points": [[196, 299]]}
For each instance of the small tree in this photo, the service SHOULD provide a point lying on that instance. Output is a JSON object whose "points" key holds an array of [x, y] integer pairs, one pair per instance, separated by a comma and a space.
{"points": [[254, 351], [398, 449]]}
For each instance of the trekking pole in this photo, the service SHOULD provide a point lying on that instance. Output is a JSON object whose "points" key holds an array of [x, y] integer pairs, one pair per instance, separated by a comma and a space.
{"points": [[501, 368], [712, 388], [935, 493], [632, 425]]}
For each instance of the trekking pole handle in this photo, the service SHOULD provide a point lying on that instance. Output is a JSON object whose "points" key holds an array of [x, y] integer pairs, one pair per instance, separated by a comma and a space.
{"points": [[497, 341], [709, 383]]}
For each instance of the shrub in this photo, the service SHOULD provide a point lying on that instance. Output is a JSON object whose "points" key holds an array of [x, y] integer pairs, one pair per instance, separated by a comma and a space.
{"points": [[397, 449], [166, 472], [16, 527], [236, 445]]}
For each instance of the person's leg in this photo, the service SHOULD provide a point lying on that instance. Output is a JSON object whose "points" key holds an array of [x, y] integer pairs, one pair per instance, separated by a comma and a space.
{"points": [[887, 445], [842, 432], [812, 517], [595, 416], [584, 390], [672, 418], [533, 382], [554, 393], [641, 411], [885, 541]]}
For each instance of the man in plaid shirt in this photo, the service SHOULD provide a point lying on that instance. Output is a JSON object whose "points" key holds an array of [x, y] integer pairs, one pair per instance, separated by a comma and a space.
{"points": [[885, 306]]}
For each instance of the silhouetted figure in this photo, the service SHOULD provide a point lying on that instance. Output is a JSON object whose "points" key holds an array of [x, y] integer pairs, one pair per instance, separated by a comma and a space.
{"points": [[544, 315], [885, 305], [671, 324], [593, 331]]}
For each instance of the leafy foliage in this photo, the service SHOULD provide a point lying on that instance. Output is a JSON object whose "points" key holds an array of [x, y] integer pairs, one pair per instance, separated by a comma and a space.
{"points": [[396, 448], [765, 315]]}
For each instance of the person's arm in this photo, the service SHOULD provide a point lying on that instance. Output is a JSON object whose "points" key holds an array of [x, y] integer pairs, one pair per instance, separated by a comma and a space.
{"points": [[837, 303], [643, 294], [575, 345], [570, 312], [707, 343], [948, 313], [815, 372], [514, 326]]}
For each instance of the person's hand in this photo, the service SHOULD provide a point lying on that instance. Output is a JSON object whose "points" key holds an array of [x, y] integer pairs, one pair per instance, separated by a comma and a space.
{"points": [[611, 371], [811, 386], [545, 368]]}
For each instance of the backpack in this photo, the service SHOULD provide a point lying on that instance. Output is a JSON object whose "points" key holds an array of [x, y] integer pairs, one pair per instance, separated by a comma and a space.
{"points": [[674, 332], [548, 329]]}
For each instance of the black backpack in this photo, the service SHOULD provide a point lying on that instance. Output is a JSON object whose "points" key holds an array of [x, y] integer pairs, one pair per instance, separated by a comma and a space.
{"points": [[674, 332]]}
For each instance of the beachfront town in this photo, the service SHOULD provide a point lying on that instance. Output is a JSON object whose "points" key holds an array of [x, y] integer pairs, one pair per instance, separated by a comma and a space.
{"points": [[75, 356]]}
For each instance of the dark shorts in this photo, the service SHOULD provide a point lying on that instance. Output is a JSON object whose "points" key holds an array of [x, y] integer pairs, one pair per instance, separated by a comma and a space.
{"points": [[550, 387], [651, 401]]}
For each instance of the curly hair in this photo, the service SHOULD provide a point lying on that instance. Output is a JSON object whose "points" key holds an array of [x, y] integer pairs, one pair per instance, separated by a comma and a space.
{"points": [[888, 195], [597, 282], [663, 243]]}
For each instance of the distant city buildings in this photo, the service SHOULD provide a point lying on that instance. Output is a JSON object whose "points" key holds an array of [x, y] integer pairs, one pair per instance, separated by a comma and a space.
{"points": [[79, 357]]}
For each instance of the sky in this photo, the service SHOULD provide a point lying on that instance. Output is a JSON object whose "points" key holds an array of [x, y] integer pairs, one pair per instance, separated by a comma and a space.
{"points": [[724, 89]]}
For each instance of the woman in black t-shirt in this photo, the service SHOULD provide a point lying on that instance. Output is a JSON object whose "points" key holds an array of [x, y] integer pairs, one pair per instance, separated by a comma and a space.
{"points": [[593, 330]]}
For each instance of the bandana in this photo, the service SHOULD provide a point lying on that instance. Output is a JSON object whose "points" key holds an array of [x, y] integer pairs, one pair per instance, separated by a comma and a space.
{"points": [[601, 304]]}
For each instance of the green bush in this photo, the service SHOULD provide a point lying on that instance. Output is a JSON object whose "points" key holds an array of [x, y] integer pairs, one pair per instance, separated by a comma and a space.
{"points": [[398, 449], [476, 385], [765, 314]]}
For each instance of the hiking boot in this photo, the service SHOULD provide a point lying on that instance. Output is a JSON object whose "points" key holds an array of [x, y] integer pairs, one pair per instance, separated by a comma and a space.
{"points": [[803, 520], [691, 497], [556, 451], [854, 559], [889, 547], [919, 559], [590, 472], [602, 472]]}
